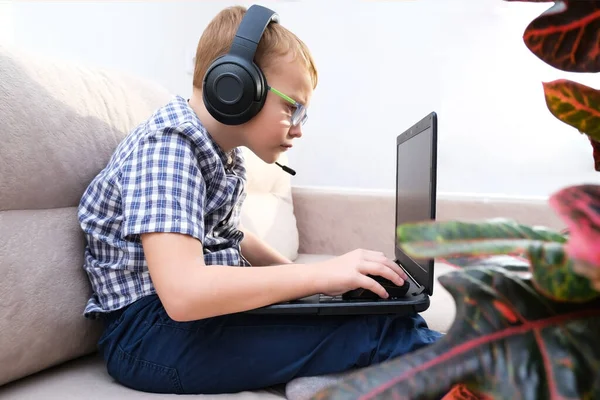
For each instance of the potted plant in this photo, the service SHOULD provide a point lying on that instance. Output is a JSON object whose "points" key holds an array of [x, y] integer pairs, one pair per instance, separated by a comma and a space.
{"points": [[517, 335]]}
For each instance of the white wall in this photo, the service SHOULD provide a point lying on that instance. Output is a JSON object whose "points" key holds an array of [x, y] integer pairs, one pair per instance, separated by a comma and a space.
{"points": [[6, 22], [383, 65]]}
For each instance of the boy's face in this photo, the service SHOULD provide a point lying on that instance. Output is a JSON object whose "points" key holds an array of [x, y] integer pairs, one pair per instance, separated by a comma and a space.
{"points": [[272, 132]]}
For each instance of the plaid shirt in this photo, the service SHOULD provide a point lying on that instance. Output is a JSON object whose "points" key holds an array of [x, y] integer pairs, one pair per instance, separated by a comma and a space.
{"points": [[168, 175]]}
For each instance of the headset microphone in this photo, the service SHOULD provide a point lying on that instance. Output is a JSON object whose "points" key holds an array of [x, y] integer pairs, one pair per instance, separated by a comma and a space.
{"points": [[286, 169]]}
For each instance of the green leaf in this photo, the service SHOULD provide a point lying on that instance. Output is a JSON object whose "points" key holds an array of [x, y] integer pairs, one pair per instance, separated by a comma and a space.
{"points": [[507, 341], [513, 263], [553, 272], [502, 228], [554, 275], [575, 104], [496, 236]]}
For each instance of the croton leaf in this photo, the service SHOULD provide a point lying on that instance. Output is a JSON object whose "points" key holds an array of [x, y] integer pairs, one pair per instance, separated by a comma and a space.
{"points": [[555, 275], [514, 263], [507, 342], [566, 36], [553, 272], [453, 238], [464, 392], [596, 153], [575, 104], [579, 207], [496, 228]]}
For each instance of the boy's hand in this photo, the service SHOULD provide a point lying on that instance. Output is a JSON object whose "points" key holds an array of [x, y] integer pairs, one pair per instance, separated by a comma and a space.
{"points": [[349, 272]]}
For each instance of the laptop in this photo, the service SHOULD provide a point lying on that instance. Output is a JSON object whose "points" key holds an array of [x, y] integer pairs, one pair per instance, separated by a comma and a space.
{"points": [[416, 173]]}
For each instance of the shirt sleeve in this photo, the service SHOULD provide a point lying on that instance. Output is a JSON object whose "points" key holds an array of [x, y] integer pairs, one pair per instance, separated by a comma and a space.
{"points": [[162, 187]]}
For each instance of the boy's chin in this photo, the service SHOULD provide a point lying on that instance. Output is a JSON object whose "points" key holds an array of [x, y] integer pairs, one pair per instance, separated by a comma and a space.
{"points": [[267, 156]]}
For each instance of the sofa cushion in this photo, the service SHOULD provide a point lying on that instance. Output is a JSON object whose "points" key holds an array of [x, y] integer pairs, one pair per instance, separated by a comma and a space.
{"points": [[86, 378], [61, 125], [58, 128], [43, 291], [268, 210]]}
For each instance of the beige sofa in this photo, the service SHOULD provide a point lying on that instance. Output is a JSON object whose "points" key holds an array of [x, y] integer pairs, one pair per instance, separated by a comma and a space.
{"points": [[59, 123]]}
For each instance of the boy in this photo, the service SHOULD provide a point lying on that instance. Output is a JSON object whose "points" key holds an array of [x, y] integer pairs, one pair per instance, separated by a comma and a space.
{"points": [[171, 269]]}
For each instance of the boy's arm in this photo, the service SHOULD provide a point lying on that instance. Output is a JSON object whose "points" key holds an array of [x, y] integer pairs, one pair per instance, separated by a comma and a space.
{"points": [[190, 290], [259, 253]]}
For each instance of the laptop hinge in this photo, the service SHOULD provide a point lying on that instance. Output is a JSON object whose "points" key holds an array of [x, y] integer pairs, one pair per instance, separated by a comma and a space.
{"points": [[421, 288]]}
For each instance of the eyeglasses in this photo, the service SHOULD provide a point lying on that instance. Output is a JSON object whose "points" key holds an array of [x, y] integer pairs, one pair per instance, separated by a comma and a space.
{"points": [[299, 116]]}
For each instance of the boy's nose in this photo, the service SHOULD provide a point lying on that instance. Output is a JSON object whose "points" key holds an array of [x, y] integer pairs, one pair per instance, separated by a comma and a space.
{"points": [[296, 131]]}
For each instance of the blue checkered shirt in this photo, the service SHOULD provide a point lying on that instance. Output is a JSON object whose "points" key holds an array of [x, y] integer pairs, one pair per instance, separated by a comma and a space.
{"points": [[167, 175]]}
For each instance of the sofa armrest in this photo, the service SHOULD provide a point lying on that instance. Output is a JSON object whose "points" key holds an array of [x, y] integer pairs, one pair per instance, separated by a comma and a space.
{"points": [[335, 221]]}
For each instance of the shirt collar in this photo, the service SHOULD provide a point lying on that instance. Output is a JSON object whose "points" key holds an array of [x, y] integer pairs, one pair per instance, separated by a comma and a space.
{"points": [[228, 159]]}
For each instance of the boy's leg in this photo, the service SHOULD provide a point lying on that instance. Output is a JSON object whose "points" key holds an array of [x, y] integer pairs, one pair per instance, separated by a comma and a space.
{"points": [[148, 351]]}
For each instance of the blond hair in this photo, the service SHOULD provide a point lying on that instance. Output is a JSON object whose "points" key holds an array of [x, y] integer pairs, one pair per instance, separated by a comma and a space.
{"points": [[276, 41]]}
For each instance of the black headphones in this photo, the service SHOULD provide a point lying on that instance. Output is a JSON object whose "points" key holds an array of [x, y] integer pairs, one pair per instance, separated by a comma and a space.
{"points": [[234, 88]]}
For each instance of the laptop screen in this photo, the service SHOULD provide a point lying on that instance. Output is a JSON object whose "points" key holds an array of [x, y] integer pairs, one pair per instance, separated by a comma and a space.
{"points": [[416, 189]]}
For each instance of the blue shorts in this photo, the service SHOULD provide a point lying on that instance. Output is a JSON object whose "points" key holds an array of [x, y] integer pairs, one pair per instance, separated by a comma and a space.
{"points": [[146, 350]]}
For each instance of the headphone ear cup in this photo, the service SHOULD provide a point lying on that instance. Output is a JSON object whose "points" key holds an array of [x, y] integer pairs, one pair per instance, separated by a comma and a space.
{"points": [[233, 90]]}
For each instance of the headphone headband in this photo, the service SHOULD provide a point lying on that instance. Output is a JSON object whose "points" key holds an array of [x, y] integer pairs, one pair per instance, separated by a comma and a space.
{"points": [[251, 29]]}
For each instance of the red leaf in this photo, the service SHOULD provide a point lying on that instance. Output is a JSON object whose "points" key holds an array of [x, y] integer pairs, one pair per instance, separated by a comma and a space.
{"points": [[505, 311], [579, 207], [574, 104], [566, 36], [596, 153], [462, 392]]}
